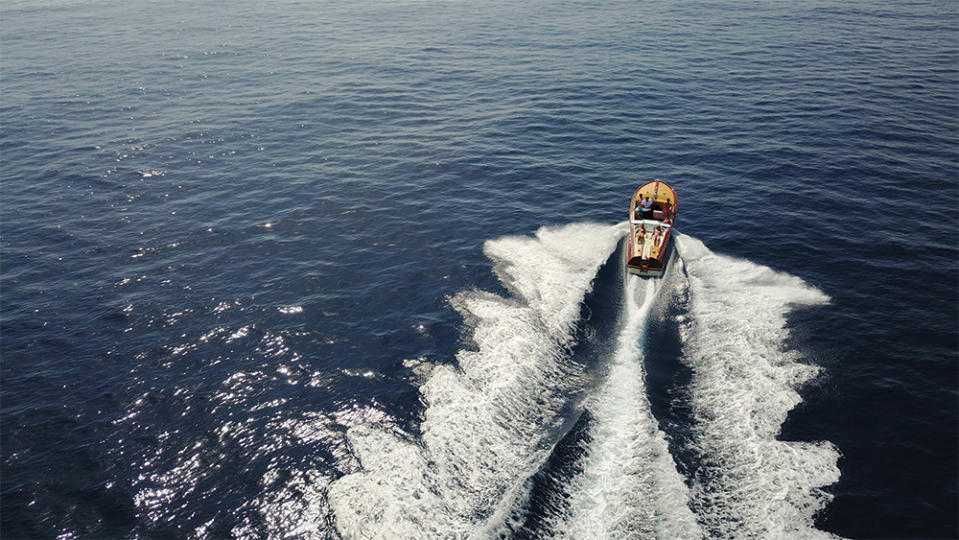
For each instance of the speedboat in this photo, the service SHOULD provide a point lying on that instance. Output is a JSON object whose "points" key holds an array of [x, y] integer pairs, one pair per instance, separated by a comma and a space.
{"points": [[652, 212]]}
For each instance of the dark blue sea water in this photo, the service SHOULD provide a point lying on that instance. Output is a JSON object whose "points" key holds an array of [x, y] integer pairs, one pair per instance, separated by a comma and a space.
{"points": [[353, 270]]}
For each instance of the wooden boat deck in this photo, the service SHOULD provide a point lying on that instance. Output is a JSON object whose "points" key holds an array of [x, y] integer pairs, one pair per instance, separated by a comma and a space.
{"points": [[639, 241]]}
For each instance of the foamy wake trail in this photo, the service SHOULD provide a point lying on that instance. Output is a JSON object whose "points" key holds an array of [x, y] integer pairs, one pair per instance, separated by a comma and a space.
{"points": [[486, 423], [748, 484], [629, 486]]}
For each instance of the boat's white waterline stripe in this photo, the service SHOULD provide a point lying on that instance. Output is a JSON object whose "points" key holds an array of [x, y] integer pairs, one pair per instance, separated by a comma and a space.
{"points": [[485, 421], [748, 483], [629, 486]]}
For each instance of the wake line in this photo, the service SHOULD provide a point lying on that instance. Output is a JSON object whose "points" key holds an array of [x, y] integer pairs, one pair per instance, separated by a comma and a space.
{"points": [[486, 423], [629, 486], [748, 484]]}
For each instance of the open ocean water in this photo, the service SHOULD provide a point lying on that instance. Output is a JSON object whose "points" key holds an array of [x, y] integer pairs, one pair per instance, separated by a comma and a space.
{"points": [[354, 269]]}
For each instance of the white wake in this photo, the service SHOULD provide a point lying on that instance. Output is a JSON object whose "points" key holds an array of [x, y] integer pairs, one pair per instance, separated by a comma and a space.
{"points": [[490, 421], [744, 383], [484, 428], [629, 486]]}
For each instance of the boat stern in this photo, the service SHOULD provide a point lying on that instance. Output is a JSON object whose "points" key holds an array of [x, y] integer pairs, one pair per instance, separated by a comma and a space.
{"points": [[644, 270]]}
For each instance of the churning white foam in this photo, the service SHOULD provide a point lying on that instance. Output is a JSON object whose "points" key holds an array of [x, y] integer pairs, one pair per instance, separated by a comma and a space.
{"points": [[629, 486], [749, 484], [488, 422], [485, 427]]}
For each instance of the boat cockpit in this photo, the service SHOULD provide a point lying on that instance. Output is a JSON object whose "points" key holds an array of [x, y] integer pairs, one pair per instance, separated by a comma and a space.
{"points": [[662, 212]]}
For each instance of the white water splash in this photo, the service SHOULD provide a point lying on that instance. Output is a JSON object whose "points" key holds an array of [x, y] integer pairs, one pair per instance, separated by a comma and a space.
{"points": [[485, 421], [629, 486], [486, 424], [749, 484]]}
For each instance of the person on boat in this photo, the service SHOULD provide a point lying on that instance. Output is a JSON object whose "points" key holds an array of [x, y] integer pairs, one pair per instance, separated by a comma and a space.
{"points": [[647, 244], [658, 236], [647, 206]]}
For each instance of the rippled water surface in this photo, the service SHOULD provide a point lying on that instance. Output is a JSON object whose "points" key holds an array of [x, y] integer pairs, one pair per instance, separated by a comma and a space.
{"points": [[330, 269]]}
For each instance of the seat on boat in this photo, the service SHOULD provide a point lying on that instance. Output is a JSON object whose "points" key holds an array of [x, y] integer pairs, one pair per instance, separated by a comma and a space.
{"points": [[647, 244]]}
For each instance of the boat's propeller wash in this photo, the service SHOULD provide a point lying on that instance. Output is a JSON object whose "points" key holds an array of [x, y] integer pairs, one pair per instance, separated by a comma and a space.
{"points": [[492, 420]]}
